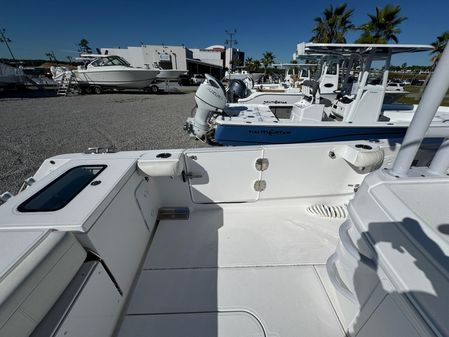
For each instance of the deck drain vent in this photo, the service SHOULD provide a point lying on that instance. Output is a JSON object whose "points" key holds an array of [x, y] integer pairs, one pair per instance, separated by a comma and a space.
{"points": [[328, 211]]}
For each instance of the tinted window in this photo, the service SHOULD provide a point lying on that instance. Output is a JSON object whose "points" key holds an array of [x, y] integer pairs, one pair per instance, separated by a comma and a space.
{"points": [[62, 190]]}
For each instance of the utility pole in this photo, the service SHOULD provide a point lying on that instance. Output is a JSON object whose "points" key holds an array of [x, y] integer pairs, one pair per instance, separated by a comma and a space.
{"points": [[4, 39], [231, 41]]}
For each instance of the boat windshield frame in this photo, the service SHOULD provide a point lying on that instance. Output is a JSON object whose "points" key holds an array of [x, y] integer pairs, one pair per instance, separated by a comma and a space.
{"points": [[110, 61]]}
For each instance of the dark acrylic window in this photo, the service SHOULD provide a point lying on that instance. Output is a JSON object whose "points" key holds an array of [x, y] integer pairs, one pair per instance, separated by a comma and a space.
{"points": [[62, 190]]}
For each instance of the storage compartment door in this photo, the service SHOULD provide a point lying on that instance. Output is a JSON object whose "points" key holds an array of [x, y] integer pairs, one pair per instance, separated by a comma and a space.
{"points": [[222, 176]]}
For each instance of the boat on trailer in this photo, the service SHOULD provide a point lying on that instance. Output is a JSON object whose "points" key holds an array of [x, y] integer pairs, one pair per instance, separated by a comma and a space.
{"points": [[324, 239], [359, 111], [111, 71]]}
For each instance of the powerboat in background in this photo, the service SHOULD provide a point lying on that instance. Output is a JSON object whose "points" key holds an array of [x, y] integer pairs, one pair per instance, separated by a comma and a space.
{"points": [[167, 74], [359, 111], [10, 76], [111, 71], [363, 117], [242, 75], [321, 239], [337, 72], [288, 92]]}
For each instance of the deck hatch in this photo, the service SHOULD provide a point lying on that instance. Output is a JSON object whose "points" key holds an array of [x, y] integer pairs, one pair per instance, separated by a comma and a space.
{"points": [[62, 190]]}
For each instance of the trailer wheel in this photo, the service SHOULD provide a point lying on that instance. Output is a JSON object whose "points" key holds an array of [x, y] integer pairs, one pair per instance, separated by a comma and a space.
{"points": [[88, 90], [98, 90], [154, 89]]}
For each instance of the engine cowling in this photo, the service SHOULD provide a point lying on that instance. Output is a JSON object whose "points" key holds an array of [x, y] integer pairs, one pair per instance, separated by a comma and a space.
{"points": [[237, 89], [210, 97]]}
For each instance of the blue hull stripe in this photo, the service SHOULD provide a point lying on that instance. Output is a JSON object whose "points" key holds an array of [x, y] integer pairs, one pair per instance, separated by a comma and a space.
{"points": [[254, 135]]}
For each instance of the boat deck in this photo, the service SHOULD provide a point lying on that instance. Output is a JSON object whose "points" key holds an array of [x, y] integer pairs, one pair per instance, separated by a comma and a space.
{"points": [[230, 272]]}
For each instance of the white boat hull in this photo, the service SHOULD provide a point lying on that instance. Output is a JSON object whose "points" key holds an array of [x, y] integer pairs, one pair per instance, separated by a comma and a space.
{"points": [[170, 74], [117, 78]]}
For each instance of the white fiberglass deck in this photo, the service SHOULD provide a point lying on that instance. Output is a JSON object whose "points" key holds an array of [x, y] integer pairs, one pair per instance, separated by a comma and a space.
{"points": [[230, 272]]}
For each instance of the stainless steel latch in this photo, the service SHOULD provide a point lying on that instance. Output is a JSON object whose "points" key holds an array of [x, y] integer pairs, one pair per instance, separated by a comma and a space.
{"points": [[262, 164], [260, 185]]}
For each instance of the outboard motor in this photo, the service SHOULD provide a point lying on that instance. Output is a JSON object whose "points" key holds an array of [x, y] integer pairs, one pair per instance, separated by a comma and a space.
{"points": [[237, 89], [249, 82], [210, 97]]}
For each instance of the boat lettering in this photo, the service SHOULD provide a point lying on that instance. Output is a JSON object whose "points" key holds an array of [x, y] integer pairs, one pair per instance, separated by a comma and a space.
{"points": [[269, 132], [274, 102]]}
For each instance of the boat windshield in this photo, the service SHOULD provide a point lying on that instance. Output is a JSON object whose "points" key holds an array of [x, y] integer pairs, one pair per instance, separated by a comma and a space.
{"points": [[110, 61]]}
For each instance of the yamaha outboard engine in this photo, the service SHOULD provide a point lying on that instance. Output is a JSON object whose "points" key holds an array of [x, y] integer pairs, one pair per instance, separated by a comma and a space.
{"points": [[210, 97], [237, 89]]}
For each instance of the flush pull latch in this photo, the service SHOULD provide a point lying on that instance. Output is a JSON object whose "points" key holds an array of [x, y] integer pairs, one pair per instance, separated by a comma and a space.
{"points": [[262, 164], [260, 185]]}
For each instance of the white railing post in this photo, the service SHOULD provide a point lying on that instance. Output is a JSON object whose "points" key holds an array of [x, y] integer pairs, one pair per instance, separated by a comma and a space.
{"points": [[430, 101], [440, 162]]}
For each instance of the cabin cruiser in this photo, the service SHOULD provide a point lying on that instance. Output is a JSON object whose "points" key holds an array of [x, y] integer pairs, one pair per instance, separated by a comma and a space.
{"points": [[359, 112], [111, 71], [323, 239]]}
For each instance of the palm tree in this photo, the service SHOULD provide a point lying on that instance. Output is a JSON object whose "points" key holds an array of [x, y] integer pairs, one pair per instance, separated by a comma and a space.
{"points": [[83, 47], [333, 26], [249, 63], [439, 45], [382, 27], [252, 65], [267, 59]]}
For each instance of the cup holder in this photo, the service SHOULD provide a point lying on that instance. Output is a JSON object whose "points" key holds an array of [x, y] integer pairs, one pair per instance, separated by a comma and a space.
{"points": [[363, 146], [163, 155]]}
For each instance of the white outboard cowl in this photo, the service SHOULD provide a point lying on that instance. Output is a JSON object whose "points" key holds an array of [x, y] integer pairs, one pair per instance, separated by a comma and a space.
{"points": [[210, 97]]}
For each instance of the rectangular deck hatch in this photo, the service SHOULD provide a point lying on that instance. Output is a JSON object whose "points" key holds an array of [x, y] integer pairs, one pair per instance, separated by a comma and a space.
{"points": [[62, 190]]}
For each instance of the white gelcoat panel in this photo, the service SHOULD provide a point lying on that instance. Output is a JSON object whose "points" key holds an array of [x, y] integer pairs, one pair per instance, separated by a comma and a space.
{"points": [[258, 237], [310, 172], [120, 235], [288, 301], [218, 324], [96, 310], [388, 320], [14, 244], [223, 176]]}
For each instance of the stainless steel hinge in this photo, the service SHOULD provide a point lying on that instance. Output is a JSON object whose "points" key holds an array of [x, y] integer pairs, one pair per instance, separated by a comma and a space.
{"points": [[262, 164], [260, 185]]}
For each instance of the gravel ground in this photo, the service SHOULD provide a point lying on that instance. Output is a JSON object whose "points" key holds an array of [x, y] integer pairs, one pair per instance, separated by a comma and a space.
{"points": [[33, 129]]}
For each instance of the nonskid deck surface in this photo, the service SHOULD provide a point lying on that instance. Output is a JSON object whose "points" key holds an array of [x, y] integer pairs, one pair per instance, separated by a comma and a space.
{"points": [[226, 272]]}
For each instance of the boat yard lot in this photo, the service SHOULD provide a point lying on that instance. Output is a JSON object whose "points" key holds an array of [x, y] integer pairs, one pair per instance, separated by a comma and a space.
{"points": [[33, 129]]}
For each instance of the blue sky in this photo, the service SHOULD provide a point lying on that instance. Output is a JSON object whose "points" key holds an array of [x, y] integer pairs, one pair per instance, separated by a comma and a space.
{"points": [[37, 27]]}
